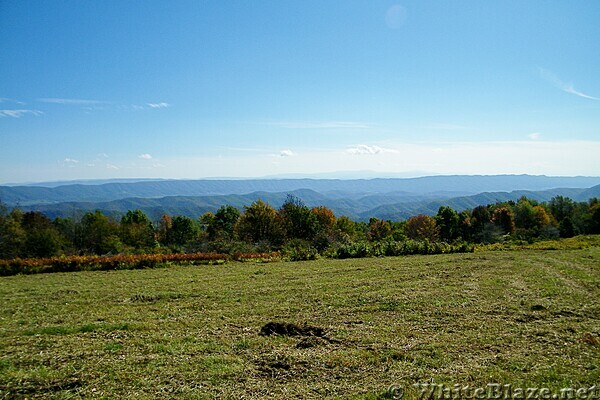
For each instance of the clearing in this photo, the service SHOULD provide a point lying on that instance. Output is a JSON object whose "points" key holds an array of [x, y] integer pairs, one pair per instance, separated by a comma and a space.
{"points": [[318, 329]]}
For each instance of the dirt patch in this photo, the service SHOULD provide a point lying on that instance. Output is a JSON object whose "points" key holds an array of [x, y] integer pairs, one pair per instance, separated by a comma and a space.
{"points": [[591, 339], [311, 341], [287, 329], [279, 367], [528, 318]]}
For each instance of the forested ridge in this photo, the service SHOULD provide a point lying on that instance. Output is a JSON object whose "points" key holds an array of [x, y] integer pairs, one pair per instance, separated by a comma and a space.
{"points": [[294, 229]]}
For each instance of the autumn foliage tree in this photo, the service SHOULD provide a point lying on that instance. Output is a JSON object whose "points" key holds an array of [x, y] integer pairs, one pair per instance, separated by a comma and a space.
{"points": [[379, 229], [422, 227], [503, 218]]}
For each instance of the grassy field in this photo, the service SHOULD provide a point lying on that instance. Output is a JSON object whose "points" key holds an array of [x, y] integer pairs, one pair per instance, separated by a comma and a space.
{"points": [[529, 318]]}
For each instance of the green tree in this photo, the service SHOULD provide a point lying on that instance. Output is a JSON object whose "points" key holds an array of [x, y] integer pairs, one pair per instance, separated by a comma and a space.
{"points": [[480, 217], [593, 224], [71, 233], [221, 225], [260, 223], [566, 228], [345, 229], [525, 215], [42, 239], [561, 207], [183, 230], [448, 222], [100, 234], [12, 234], [299, 222], [137, 230], [464, 225]]}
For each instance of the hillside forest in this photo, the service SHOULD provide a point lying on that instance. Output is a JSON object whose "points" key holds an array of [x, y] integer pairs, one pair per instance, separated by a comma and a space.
{"points": [[294, 229]]}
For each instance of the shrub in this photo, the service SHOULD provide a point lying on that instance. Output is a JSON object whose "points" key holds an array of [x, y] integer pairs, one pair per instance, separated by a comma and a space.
{"points": [[300, 250]]}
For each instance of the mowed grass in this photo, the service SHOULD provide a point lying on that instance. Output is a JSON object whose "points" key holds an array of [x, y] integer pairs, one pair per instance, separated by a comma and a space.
{"points": [[526, 318]]}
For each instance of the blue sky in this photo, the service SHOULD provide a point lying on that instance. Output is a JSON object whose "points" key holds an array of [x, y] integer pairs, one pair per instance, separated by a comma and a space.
{"points": [[192, 89]]}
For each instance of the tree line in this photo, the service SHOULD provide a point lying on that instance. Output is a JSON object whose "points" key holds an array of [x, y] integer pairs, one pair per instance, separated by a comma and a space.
{"points": [[294, 228]]}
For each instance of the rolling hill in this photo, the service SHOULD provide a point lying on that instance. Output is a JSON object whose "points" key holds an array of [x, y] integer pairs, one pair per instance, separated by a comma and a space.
{"points": [[386, 206], [432, 187]]}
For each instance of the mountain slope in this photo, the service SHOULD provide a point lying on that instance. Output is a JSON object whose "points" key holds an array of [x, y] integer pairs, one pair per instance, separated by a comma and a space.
{"points": [[458, 184], [362, 208], [405, 210]]}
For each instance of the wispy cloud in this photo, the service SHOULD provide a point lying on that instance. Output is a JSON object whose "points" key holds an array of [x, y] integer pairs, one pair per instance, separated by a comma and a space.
{"points": [[7, 100], [145, 156], [534, 135], [19, 113], [364, 149], [70, 162], [74, 102], [111, 166], [564, 86], [159, 105], [320, 125]]}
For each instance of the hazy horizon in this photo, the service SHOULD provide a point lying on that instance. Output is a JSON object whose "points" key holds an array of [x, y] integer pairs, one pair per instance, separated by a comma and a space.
{"points": [[197, 90], [341, 176]]}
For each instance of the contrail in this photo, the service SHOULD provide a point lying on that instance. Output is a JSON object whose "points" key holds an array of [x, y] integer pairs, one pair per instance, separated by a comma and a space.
{"points": [[565, 87]]}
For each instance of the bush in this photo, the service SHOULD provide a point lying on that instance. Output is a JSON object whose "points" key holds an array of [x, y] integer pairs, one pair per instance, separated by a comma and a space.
{"points": [[397, 248], [354, 250], [102, 263], [300, 250]]}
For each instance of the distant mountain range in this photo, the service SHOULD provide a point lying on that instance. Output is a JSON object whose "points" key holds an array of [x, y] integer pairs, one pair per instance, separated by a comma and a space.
{"points": [[359, 199]]}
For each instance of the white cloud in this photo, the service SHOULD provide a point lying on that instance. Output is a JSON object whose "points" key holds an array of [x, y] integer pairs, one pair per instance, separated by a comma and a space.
{"points": [[565, 87], [71, 161], [19, 113], [286, 153], [534, 135], [102, 155], [159, 105], [368, 150], [538, 157], [145, 156], [7, 100]]}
